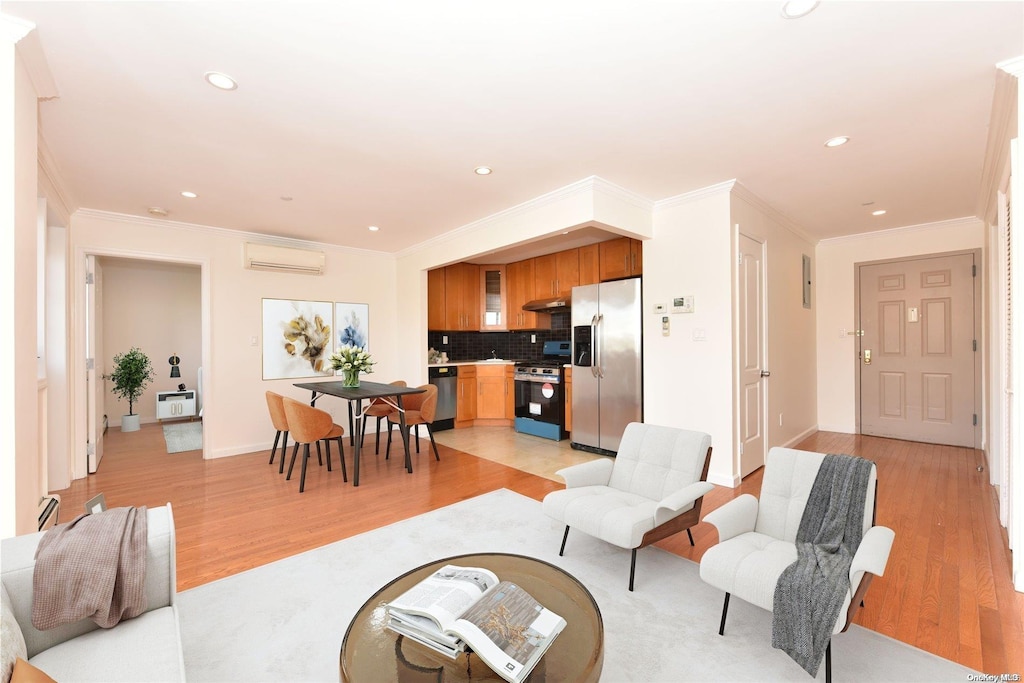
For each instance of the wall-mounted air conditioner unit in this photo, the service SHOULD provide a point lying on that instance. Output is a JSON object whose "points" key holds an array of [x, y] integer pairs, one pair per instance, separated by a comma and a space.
{"points": [[283, 259]]}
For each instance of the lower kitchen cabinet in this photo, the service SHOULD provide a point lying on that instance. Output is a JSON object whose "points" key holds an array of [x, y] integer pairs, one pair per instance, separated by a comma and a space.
{"points": [[490, 395], [465, 399]]}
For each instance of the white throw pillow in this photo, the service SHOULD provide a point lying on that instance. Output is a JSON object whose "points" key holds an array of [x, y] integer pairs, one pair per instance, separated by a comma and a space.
{"points": [[12, 642]]}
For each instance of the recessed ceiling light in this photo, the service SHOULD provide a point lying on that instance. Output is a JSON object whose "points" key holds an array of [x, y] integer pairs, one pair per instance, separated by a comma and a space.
{"points": [[837, 141], [219, 80], [878, 213], [157, 211], [483, 170], [794, 9], [190, 195], [373, 228]]}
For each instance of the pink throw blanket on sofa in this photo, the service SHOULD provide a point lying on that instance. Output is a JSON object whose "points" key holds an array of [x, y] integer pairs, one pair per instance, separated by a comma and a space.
{"points": [[94, 566]]}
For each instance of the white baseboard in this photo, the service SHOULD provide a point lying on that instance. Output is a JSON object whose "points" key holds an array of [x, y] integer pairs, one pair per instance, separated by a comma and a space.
{"points": [[841, 429], [801, 436], [239, 450], [723, 480]]}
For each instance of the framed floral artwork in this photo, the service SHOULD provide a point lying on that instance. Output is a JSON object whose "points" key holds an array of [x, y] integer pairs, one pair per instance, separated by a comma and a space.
{"points": [[353, 325], [297, 338]]}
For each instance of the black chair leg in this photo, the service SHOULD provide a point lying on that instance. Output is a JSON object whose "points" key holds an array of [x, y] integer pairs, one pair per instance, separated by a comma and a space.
{"points": [[430, 432], [387, 451], [690, 535], [725, 610], [284, 450], [305, 458], [292, 463], [632, 569], [417, 430], [564, 537], [828, 662], [327, 447], [273, 451], [376, 439], [362, 432], [341, 447], [319, 455]]}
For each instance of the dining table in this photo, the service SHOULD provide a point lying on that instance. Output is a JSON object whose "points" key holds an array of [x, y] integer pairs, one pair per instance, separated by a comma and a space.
{"points": [[366, 391]]}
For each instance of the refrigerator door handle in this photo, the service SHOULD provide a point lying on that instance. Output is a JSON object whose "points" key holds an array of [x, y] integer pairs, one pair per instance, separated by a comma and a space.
{"points": [[593, 345], [599, 346]]}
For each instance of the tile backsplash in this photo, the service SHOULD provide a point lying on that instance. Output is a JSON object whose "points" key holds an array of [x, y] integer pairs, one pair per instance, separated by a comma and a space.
{"points": [[464, 346]]}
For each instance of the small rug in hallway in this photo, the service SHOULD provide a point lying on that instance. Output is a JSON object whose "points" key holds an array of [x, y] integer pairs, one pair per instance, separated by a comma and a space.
{"points": [[285, 621], [183, 436]]}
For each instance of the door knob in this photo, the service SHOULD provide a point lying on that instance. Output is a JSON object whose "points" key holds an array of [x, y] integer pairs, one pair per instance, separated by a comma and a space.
{"points": [[765, 373], [867, 356]]}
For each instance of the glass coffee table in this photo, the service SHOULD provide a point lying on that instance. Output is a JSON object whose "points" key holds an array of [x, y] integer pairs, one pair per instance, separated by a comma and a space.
{"points": [[372, 652]]}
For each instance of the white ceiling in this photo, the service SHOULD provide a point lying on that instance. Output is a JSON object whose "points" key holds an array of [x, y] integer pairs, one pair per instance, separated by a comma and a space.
{"points": [[376, 113]]}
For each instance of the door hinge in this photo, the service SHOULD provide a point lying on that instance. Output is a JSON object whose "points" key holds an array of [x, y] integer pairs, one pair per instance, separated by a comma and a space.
{"points": [[741, 448], [975, 422], [90, 363], [89, 279], [741, 259], [974, 344], [974, 271], [90, 449]]}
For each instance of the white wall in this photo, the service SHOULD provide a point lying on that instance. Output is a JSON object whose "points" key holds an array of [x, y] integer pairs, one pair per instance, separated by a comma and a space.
{"points": [[235, 410], [834, 273], [58, 435], [156, 307], [790, 328]]}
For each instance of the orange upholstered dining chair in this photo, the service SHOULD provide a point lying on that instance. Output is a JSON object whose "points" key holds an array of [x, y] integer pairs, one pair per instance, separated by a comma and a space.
{"points": [[379, 409], [419, 410], [312, 425], [280, 422]]}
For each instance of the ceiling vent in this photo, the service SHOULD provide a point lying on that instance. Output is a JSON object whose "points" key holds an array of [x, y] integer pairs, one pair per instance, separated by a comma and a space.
{"points": [[283, 259]]}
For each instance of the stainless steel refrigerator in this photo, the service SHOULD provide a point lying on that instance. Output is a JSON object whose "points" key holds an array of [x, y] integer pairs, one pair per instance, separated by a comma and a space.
{"points": [[607, 373]]}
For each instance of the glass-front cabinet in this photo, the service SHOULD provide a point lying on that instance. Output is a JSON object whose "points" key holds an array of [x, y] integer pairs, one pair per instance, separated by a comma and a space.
{"points": [[492, 298]]}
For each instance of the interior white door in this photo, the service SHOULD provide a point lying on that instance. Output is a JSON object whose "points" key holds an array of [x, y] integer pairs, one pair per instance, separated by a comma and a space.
{"points": [[916, 355], [94, 383], [752, 370]]}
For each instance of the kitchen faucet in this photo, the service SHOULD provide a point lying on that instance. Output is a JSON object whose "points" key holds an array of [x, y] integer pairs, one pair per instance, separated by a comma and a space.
{"points": [[494, 355]]}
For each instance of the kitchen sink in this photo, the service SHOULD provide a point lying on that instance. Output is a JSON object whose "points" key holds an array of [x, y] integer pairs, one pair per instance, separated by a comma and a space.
{"points": [[493, 360]]}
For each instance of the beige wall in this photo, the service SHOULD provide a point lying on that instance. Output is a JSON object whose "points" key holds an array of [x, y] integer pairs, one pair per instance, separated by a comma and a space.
{"points": [[158, 308], [235, 411], [834, 273], [22, 477]]}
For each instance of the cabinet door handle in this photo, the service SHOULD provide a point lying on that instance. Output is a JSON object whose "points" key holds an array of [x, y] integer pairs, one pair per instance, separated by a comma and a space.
{"points": [[625, 262]]}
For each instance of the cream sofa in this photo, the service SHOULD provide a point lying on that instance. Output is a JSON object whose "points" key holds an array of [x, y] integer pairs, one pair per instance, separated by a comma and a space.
{"points": [[146, 648]]}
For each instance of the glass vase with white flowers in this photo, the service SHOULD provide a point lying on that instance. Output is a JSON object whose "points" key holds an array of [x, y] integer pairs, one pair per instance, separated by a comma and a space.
{"points": [[351, 361]]}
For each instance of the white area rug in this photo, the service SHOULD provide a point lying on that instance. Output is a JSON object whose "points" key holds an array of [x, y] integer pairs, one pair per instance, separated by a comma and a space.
{"points": [[183, 436], [285, 621]]}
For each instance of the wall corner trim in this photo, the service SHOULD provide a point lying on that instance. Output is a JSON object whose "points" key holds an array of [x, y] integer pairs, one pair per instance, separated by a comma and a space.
{"points": [[692, 196]]}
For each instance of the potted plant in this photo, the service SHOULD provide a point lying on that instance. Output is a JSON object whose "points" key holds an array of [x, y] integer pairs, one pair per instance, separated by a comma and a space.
{"points": [[132, 374], [351, 360]]}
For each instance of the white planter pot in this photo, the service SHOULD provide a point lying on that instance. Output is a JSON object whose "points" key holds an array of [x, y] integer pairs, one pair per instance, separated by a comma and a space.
{"points": [[129, 423]]}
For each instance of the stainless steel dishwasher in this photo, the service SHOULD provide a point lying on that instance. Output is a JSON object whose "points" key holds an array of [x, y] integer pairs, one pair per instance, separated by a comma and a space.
{"points": [[445, 377]]}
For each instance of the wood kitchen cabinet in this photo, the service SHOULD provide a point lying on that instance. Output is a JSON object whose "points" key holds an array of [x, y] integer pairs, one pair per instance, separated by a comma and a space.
{"points": [[490, 395], [493, 292], [620, 258], [435, 299], [590, 270], [465, 397], [510, 393], [522, 288], [462, 297], [556, 274]]}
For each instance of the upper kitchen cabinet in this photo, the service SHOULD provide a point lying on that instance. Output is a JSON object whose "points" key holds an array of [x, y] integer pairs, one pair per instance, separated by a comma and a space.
{"points": [[493, 286], [590, 270], [556, 274], [462, 297], [620, 258], [435, 299], [521, 277]]}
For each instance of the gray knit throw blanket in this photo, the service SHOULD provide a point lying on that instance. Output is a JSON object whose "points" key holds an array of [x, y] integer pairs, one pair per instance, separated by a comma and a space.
{"points": [[810, 592]]}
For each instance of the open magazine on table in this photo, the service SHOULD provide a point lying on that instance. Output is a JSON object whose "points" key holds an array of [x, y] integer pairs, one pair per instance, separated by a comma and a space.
{"points": [[460, 608]]}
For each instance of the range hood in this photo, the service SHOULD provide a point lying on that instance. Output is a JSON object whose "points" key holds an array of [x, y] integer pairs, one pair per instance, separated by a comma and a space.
{"points": [[549, 305]]}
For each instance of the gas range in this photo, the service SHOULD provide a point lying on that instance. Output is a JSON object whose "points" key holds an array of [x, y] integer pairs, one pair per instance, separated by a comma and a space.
{"points": [[548, 368]]}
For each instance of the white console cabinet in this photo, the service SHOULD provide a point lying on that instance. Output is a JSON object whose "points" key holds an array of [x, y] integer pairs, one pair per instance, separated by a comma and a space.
{"points": [[171, 405]]}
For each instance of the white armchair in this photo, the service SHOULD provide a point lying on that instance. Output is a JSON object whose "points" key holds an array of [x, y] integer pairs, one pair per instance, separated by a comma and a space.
{"points": [[757, 539], [651, 490]]}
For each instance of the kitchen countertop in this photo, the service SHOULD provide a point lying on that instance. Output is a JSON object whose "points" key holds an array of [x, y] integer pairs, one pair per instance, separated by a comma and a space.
{"points": [[471, 362]]}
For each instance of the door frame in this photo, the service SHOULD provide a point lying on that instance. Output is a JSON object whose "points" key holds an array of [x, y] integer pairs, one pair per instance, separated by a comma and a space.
{"points": [[76, 361], [980, 406], [737, 370]]}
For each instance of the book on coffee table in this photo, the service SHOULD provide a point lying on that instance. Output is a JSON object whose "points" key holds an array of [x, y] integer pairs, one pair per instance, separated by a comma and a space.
{"points": [[468, 608]]}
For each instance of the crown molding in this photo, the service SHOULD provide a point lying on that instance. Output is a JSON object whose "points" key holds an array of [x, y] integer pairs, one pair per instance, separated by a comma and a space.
{"points": [[622, 194], [224, 232], [694, 195], [62, 200], [1014, 66], [966, 222], [743, 192], [997, 148], [14, 29], [580, 186], [30, 48]]}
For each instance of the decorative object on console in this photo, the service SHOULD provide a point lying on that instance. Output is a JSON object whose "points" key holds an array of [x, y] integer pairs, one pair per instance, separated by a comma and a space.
{"points": [[132, 374], [174, 361], [351, 360], [297, 338], [353, 324]]}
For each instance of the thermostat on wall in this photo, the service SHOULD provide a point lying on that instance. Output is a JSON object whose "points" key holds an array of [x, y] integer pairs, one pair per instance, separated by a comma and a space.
{"points": [[682, 304]]}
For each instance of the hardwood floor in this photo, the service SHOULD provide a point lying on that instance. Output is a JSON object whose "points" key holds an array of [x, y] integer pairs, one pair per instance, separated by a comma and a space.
{"points": [[947, 588]]}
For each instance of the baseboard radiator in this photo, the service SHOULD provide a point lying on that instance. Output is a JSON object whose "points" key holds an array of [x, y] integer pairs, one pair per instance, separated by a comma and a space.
{"points": [[49, 511]]}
